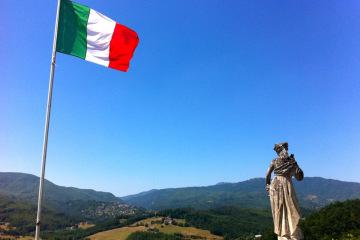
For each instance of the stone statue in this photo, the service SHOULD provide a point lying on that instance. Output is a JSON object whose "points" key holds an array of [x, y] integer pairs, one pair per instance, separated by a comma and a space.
{"points": [[284, 204]]}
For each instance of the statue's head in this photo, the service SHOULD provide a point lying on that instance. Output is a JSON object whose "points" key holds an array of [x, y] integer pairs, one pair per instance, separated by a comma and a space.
{"points": [[281, 149]]}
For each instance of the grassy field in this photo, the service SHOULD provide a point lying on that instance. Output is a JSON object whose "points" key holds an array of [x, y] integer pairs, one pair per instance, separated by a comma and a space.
{"points": [[117, 234], [7, 226], [8, 237], [152, 223], [189, 231], [85, 225], [25, 238]]}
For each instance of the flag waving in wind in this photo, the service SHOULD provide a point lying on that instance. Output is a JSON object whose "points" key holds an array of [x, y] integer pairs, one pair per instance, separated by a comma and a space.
{"points": [[87, 34]]}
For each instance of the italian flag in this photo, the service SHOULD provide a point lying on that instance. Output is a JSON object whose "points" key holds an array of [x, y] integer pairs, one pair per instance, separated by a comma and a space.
{"points": [[87, 34]]}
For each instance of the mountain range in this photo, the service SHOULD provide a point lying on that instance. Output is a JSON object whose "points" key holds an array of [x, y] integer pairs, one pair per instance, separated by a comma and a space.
{"points": [[21, 189], [228, 208], [25, 186], [312, 192]]}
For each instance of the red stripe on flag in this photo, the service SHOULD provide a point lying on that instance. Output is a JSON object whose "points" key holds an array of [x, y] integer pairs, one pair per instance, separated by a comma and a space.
{"points": [[122, 47]]}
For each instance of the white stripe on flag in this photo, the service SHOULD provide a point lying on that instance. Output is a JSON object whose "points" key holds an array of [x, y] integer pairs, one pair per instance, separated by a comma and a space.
{"points": [[99, 33]]}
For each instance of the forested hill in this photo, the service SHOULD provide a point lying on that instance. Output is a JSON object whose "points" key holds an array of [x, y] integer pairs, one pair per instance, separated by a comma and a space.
{"points": [[313, 192], [340, 220], [21, 216], [25, 187], [63, 206]]}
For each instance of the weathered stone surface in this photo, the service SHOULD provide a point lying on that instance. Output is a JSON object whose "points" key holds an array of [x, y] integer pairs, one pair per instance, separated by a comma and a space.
{"points": [[284, 204]]}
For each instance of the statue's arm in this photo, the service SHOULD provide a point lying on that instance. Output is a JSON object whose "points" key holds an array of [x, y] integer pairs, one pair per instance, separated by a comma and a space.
{"points": [[268, 175], [299, 174]]}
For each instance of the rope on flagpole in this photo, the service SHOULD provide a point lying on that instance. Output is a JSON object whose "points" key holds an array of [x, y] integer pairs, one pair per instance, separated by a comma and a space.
{"points": [[47, 122]]}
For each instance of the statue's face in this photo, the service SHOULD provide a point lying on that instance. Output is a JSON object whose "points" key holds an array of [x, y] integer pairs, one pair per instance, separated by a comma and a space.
{"points": [[283, 153]]}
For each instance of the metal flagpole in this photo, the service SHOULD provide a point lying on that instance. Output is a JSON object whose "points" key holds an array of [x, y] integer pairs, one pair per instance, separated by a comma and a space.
{"points": [[47, 122]]}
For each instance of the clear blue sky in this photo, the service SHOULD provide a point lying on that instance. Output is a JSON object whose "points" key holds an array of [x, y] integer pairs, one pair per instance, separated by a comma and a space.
{"points": [[212, 86]]}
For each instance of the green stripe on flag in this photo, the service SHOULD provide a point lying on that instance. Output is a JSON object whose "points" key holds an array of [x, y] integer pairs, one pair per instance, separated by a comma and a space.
{"points": [[72, 30]]}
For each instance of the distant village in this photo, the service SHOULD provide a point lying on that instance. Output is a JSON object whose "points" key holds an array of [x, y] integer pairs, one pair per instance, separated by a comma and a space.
{"points": [[112, 209]]}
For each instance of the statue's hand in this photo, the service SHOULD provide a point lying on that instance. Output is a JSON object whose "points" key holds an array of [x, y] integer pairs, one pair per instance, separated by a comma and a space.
{"points": [[292, 159], [299, 174]]}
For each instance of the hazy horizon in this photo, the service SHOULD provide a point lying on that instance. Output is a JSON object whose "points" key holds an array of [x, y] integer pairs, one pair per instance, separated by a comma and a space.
{"points": [[212, 86]]}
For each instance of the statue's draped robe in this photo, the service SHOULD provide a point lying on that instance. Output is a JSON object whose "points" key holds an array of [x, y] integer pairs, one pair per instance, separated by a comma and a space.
{"points": [[284, 204]]}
